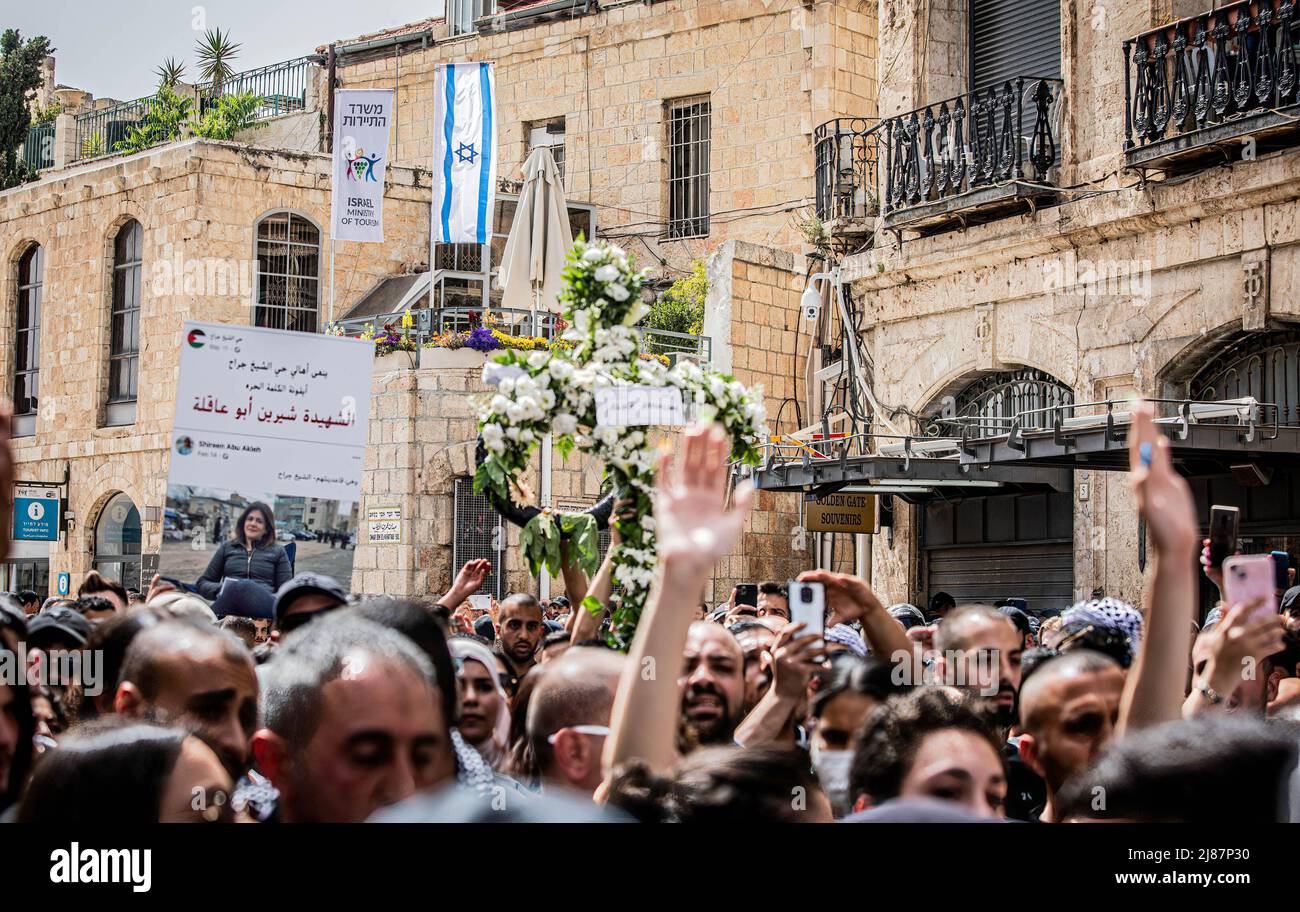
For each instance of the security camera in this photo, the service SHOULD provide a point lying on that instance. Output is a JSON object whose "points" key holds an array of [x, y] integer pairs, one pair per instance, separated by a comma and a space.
{"points": [[811, 302]]}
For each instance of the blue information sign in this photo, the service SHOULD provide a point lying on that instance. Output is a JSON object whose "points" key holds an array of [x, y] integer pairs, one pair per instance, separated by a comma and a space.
{"points": [[36, 513]]}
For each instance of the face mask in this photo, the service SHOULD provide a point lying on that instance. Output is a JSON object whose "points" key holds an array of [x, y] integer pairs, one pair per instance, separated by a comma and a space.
{"points": [[832, 768]]}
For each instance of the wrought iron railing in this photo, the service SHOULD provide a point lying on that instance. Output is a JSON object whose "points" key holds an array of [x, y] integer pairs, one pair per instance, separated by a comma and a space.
{"points": [[1207, 69], [517, 322], [1006, 132], [99, 132], [847, 150], [283, 87], [38, 147]]}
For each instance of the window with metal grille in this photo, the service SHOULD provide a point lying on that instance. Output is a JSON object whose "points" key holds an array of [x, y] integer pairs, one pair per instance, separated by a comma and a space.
{"points": [[477, 534], [124, 332], [27, 341], [548, 134], [689, 131], [288, 273]]}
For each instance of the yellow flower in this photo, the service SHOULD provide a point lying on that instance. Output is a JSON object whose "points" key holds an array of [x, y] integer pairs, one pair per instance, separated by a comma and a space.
{"points": [[407, 320]]}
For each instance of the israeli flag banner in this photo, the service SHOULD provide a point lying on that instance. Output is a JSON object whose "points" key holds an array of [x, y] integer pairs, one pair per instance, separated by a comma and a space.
{"points": [[464, 153]]}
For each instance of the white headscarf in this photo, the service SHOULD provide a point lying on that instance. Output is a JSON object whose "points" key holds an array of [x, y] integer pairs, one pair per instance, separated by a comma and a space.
{"points": [[465, 649]]}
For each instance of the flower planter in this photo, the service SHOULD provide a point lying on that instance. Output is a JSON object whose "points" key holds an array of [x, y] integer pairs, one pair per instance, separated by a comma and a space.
{"points": [[395, 361], [446, 357]]}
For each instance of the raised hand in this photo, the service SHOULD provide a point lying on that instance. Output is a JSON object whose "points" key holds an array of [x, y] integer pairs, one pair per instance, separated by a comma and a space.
{"points": [[794, 660], [468, 581], [1239, 644], [1163, 497], [849, 598], [692, 522]]}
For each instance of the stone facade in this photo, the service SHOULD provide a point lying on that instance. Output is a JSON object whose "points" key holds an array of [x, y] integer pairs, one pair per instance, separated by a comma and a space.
{"points": [[943, 309], [772, 72]]}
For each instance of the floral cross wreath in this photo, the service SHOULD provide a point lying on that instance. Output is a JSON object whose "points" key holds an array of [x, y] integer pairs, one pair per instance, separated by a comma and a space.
{"points": [[554, 392]]}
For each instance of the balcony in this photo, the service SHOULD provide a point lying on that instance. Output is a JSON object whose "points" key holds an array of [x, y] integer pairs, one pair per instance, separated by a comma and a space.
{"points": [[848, 197], [1212, 87], [984, 155]]}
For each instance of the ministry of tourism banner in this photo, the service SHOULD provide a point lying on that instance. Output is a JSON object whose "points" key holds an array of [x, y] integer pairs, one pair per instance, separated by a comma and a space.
{"points": [[361, 119], [464, 153]]}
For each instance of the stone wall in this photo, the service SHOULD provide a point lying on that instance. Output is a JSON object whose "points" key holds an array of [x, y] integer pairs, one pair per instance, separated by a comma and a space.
{"points": [[772, 72]]}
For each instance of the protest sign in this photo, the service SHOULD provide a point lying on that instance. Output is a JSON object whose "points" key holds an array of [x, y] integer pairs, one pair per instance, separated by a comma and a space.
{"points": [[273, 417]]}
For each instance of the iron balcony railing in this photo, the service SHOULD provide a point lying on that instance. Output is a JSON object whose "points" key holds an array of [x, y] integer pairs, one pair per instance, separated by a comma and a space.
{"points": [[99, 131], [38, 148], [847, 150], [283, 87], [1000, 133], [517, 322], [1209, 68]]}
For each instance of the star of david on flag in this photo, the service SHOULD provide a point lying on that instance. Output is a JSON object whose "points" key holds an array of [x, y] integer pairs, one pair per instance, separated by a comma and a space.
{"points": [[464, 153]]}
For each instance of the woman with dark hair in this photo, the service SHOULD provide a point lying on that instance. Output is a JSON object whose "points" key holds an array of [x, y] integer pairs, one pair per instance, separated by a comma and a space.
{"points": [[122, 772], [850, 690], [252, 554], [766, 783]]}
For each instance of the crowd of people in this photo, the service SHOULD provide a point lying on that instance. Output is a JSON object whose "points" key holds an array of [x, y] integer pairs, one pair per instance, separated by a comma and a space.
{"points": [[331, 708]]}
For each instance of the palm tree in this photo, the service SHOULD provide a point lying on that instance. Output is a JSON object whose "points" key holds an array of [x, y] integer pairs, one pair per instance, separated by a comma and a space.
{"points": [[170, 72], [215, 51]]}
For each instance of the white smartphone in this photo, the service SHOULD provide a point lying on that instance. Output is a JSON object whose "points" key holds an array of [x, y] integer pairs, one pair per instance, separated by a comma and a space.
{"points": [[480, 602], [808, 606]]}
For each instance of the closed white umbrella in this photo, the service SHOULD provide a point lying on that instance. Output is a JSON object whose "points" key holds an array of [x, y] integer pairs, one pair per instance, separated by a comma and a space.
{"points": [[539, 240]]}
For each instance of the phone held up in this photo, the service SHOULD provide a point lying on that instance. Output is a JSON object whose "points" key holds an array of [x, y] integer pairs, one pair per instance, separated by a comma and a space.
{"points": [[1247, 577], [808, 606]]}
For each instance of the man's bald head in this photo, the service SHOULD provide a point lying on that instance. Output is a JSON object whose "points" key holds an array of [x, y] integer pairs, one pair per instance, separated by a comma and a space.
{"points": [[1040, 693], [165, 650], [966, 626], [577, 689], [1069, 707]]}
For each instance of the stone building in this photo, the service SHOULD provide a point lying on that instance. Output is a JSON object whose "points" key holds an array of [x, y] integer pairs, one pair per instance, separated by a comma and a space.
{"points": [[1147, 245], [106, 255]]}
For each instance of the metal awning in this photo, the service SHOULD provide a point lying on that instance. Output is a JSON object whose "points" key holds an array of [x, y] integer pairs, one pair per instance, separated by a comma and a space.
{"points": [[905, 467], [1204, 437]]}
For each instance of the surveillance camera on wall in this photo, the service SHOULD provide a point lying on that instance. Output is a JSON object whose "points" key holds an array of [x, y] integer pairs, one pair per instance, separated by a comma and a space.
{"points": [[811, 302]]}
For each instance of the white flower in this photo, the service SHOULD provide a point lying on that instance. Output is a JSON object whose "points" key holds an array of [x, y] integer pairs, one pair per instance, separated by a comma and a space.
{"points": [[512, 433], [493, 438], [639, 310], [593, 254], [561, 369], [606, 435], [618, 292], [506, 386], [548, 399], [538, 359], [607, 273], [564, 423], [517, 412], [500, 404], [717, 387], [526, 436]]}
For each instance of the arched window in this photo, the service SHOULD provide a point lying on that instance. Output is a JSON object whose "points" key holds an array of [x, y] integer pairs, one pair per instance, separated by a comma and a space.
{"points": [[27, 341], [987, 405], [117, 541], [288, 273], [124, 332]]}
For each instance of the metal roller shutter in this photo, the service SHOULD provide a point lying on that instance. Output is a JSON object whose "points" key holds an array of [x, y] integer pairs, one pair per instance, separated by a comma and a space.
{"points": [[1043, 574], [1010, 38]]}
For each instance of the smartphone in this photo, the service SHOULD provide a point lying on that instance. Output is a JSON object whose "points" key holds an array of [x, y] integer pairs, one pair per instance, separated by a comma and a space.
{"points": [[808, 606], [1247, 577], [1281, 564], [1223, 534], [480, 602], [747, 594]]}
